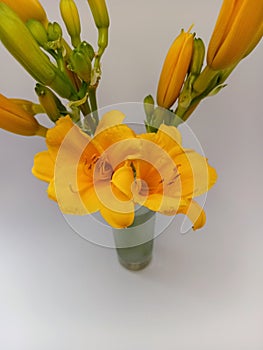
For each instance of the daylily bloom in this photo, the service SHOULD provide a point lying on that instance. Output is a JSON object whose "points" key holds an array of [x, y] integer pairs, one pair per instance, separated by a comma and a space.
{"points": [[117, 169], [238, 30], [14, 118], [174, 69], [28, 9], [168, 176]]}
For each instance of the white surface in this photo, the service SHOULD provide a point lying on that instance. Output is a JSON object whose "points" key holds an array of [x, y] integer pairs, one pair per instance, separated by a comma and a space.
{"points": [[204, 289]]}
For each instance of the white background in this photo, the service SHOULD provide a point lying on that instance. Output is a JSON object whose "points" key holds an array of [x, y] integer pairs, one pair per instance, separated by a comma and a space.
{"points": [[203, 290]]}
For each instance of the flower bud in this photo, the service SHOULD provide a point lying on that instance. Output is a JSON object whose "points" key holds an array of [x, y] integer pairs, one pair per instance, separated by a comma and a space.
{"points": [[28, 106], [198, 57], [81, 65], [50, 102], [87, 50], [238, 29], [148, 103], [38, 31], [20, 43], [101, 18], [100, 13], [15, 119], [54, 34], [27, 9], [174, 70], [70, 15]]}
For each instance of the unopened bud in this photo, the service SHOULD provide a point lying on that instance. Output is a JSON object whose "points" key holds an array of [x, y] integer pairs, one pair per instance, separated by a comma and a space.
{"points": [[101, 18], [81, 65], [148, 103], [28, 9], [20, 43], [174, 69], [197, 57], [70, 15], [50, 102], [100, 13], [238, 30], [38, 31], [28, 106], [54, 33], [15, 119], [87, 50]]}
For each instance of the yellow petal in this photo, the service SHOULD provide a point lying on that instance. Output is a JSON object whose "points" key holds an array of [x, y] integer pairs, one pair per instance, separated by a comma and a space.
{"points": [[90, 199], [122, 179], [51, 190], [122, 150], [109, 119], [43, 167], [69, 200], [111, 135], [167, 138], [196, 175], [172, 133], [117, 219], [163, 204], [195, 213], [118, 213]]}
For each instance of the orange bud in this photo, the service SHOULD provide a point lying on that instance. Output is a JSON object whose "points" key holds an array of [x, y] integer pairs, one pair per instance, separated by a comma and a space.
{"points": [[15, 119], [28, 9], [174, 70], [238, 30]]}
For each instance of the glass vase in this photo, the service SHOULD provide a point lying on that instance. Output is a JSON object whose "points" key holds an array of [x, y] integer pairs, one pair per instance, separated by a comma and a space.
{"points": [[134, 244]]}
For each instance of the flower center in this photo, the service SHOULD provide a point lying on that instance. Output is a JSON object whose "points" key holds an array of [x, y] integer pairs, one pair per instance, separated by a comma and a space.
{"points": [[103, 169]]}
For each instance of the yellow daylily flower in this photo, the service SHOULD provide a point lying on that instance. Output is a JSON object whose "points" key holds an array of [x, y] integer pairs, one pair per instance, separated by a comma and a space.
{"points": [[170, 176], [28, 9], [14, 118], [117, 169], [174, 69], [238, 30], [89, 164]]}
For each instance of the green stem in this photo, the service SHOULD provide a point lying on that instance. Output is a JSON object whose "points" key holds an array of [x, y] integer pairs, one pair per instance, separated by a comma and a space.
{"points": [[61, 67], [93, 103], [85, 109]]}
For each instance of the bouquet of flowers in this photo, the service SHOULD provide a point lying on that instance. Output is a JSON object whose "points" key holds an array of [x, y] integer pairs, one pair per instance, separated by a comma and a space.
{"points": [[97, 163]]}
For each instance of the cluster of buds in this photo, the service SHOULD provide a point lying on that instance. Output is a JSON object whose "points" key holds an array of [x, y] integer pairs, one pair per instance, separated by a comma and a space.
{"points": [[238, 30], [60, 71]]}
